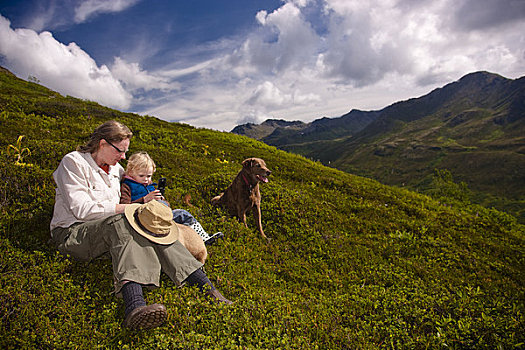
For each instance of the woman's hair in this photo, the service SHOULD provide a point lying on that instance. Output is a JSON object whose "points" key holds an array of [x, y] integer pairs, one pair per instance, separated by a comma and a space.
{"points": [[111, 131], [139, 161]]}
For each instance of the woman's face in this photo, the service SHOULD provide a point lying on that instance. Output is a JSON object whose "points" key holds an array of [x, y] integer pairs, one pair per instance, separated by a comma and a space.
{"points": [[113, 152]]}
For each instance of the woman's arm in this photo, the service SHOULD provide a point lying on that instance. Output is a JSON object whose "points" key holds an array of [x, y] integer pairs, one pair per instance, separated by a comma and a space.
{"points": [[87, 198]]}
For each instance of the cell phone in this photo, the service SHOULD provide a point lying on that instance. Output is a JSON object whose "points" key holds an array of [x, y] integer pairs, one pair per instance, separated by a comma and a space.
{"points": [[162, 185]]}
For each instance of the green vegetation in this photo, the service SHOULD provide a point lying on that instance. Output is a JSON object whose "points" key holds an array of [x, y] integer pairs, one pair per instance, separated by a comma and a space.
{"points": [[352, 263], [18, 151], [445, 189]]}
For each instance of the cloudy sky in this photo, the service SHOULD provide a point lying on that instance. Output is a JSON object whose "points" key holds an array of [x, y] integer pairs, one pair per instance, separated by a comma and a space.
{"points": [[217, 64]]}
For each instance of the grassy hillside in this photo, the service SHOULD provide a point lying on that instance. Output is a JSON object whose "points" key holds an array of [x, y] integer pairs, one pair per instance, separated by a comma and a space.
{"points": [[352, 263]]}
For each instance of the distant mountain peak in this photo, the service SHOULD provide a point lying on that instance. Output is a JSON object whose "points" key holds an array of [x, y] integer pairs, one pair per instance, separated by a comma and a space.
{"points": [[481, 75], [277, 131], [282, 122]]}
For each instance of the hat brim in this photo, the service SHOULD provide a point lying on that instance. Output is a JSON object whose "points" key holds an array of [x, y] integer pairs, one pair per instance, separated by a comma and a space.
{"points": [[129, 212]]}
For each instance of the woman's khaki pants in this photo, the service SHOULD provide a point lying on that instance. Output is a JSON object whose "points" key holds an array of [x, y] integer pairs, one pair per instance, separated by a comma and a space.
{"points": [[134, 257]]}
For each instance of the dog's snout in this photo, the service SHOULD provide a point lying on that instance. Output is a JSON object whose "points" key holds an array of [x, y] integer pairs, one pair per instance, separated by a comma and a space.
{"points": [[268, 172]]}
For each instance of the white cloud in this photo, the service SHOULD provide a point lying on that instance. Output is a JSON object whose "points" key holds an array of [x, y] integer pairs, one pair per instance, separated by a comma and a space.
{"points": [[66, 69], [261, 17], [285, 41], [182, 72], [210, 106], [135, 78], [268, 95], [45, 15], [52, 14], [90, 8]]}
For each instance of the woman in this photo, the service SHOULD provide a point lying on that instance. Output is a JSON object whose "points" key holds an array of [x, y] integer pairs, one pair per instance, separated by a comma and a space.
{"points": [[88, 221]]}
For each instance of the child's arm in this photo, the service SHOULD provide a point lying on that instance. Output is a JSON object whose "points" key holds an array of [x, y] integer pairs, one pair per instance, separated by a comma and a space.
{"points": [[125, 195]]}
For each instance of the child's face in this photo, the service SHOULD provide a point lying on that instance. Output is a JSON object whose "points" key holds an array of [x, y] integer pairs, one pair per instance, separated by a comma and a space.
{"points": [[143, 176]]}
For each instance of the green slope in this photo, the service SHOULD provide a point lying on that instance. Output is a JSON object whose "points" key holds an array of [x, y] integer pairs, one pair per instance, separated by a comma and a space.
{"points": [[352, 264]]}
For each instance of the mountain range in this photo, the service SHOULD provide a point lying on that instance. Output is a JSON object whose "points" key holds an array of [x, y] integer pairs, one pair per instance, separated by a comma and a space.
{"points": [[473, 127]]}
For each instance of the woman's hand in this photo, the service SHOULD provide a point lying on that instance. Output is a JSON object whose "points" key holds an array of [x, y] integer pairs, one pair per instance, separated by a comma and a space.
{"points": [[120, 208], [153, 195]]}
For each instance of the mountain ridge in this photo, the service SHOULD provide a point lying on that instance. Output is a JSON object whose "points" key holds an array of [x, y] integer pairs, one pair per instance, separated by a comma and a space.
{"points": [[464, 85]]}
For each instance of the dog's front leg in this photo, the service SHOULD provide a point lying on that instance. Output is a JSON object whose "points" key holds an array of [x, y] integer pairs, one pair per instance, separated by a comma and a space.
{"points": [[241, 214], [257, 216]]}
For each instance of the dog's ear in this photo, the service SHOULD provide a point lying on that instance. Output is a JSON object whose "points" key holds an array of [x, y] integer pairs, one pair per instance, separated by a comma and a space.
{"points": [[248, 163]]}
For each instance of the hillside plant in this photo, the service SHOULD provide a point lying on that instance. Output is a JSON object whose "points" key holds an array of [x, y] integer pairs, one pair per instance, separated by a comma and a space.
{"points": [[443, 187], [19, 152]]}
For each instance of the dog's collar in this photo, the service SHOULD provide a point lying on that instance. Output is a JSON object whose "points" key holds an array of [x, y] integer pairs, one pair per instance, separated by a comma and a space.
{"points": [[247, 183]]}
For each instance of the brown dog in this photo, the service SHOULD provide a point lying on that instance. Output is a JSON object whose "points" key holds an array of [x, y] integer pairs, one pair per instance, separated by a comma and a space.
{"points": [[243, 193]]}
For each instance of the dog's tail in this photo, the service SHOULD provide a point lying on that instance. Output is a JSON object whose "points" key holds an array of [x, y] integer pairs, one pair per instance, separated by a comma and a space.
{"points": [[215, 200]]}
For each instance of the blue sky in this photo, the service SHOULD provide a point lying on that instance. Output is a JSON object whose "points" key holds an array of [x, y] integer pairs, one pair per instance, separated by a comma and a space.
{"points": [[217, 64]]}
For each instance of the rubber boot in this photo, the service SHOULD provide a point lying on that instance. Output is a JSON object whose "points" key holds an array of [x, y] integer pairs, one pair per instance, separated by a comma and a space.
{"points": [[138, 315], [205, 237], [218, 297]]}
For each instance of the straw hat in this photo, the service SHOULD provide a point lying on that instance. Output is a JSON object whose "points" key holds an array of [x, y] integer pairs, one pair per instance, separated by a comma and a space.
{"points": [[154, 221]]}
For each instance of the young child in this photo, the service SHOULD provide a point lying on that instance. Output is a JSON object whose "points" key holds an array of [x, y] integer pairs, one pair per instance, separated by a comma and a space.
{"points": [[137, 187]]}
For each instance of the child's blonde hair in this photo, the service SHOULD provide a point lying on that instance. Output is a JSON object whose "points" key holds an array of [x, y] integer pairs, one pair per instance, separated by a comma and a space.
{"points": [[139, 161]]}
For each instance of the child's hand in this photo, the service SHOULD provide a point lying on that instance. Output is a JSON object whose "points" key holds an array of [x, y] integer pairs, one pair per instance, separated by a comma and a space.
{"points": [[152, 195]]}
